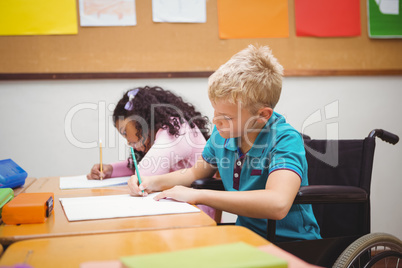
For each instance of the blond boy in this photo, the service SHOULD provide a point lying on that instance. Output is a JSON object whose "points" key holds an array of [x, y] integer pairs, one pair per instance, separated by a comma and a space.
{"points": [[261, 158]]}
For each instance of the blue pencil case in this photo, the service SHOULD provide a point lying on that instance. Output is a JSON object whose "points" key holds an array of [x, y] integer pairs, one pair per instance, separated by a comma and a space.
{"points": [[11, 174]]}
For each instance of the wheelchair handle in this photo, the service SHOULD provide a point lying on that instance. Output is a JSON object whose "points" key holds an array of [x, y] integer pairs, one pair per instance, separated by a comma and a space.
{"points": [[384, 135]]}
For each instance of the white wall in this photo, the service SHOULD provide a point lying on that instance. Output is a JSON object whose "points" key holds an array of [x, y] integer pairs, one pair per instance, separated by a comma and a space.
{"points": [[37, 118]]}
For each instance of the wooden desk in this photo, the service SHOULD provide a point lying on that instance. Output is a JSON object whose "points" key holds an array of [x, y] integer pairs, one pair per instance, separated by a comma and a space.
{"points": [[52, 184], [23, 188], [72, 251], [57, 224]]}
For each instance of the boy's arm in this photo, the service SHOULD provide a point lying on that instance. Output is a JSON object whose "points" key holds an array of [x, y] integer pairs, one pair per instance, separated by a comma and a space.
{"points": [[273, 202], [201, 169]]}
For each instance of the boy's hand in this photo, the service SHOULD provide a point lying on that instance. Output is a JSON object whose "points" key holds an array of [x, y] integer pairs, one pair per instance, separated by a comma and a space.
{"points": [[179, 193], [96, 174]]}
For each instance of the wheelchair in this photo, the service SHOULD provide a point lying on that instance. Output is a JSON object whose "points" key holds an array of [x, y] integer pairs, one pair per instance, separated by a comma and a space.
{"points": [[339, 173]]}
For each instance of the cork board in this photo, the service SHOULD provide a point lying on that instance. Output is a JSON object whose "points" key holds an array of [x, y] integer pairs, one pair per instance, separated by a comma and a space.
{"points": [[172, 49]]}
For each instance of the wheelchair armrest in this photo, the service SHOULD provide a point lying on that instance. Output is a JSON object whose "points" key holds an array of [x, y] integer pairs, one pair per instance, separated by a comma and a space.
{"points": [[325, 194], [312, 194], [208, 183]]}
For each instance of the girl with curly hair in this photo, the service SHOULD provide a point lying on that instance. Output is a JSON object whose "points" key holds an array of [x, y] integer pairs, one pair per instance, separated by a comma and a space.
{"points": [[167, 133]]}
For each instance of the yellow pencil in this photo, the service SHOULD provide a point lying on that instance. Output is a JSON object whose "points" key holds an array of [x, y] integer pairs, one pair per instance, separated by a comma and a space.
{"points": [[101, 165]]}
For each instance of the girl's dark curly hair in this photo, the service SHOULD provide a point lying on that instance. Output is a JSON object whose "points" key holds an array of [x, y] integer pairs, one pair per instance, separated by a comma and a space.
{"points": [[160, 108]]}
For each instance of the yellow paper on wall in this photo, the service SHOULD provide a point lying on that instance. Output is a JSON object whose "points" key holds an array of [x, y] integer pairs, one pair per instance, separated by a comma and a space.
{"points": [[38, 17]]}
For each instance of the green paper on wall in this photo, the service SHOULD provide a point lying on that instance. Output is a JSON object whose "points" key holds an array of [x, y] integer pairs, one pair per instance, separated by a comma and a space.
{"points": [[385, 19], [236, 255]]}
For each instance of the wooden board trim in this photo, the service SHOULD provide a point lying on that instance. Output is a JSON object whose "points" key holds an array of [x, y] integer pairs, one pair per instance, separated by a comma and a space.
{"points": [[152, 75]]}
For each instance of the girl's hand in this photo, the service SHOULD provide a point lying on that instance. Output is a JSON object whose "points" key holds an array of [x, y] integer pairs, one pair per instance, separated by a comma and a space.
{"points": [[179, 193], [147, 185], [96, 174]]}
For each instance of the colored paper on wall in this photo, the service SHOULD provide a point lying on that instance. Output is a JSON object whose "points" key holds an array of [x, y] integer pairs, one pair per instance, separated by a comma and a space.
{"points": [[328, 18], [179, 11], [39, 17], [253, 18], [107, 13], [385, 18]]}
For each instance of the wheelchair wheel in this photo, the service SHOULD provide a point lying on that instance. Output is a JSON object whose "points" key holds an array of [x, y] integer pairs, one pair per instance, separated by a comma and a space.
{"points": [[372, 250]]}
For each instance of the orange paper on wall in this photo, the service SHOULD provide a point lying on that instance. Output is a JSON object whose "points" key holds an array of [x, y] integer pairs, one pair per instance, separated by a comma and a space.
{"points": [[253, 18]]}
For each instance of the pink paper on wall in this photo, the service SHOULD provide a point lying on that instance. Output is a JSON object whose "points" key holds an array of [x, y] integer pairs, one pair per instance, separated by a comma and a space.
{"points": [[327, 18]]}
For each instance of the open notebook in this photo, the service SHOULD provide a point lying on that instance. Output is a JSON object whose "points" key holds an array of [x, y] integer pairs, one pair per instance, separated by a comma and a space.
{"points": [[78, 182], [118, 206]]}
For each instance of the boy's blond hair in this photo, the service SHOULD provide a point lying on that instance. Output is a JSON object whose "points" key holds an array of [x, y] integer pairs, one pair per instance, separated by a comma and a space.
{"points": [[253, 77]]}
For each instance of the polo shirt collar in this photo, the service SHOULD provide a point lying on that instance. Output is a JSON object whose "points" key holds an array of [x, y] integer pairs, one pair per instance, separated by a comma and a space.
{"points": [[263, 139], [231, 144], [260, 143]]}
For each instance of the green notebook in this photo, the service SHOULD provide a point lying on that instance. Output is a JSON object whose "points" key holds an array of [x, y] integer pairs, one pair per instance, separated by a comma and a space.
{"points": [[234, 255], [6, 194]]}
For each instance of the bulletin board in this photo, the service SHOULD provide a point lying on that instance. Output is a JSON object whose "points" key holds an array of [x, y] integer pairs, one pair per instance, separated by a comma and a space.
{"points": [[153, 50]]}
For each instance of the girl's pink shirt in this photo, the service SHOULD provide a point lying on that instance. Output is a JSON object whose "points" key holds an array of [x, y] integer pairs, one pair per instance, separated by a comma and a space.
{"points": [[168, 153]]}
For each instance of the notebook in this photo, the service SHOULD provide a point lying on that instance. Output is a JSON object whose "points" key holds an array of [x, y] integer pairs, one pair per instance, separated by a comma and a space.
{"points": [[234, 255], [119, 206], [81, 181]]}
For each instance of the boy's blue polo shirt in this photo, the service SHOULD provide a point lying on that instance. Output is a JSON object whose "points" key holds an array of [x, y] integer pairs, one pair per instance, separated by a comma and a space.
{"points": [[278, 146]]}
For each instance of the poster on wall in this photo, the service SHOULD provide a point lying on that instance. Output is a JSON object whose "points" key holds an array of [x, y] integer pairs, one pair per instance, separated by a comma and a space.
{"points": [[39, 17], [179, 11], [253, 19], [330, 18], [385, 18], [107, 13]]}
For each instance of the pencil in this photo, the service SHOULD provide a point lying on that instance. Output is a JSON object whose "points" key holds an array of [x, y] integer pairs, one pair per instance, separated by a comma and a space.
{"points": [[100, 153], [136, 166]]}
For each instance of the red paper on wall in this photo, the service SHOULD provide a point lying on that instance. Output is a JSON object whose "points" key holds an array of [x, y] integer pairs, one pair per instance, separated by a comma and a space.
{"points": [[327, 18]]}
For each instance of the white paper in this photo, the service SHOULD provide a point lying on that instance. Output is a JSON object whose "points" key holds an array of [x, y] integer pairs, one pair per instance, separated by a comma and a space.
{"points": [[118, 206], [390, 7], [107, 13], [190, 11], [81, 181]]}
